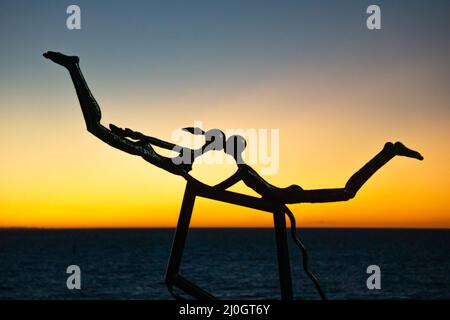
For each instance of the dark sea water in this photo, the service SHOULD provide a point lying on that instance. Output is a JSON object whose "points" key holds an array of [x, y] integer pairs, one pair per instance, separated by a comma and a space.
{"points": [[230, 263]]}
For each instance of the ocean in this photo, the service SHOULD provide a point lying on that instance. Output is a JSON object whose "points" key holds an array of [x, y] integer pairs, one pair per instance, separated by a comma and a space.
{"points": [[230, 263]]}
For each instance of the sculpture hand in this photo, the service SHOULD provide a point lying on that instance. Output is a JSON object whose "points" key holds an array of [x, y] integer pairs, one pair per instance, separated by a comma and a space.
{"points": [[401, 150], [61, 59], [194, 130], [117, 130]]}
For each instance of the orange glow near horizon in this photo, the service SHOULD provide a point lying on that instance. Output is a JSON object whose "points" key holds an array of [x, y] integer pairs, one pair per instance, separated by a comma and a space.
{"points": [[56, 175]]}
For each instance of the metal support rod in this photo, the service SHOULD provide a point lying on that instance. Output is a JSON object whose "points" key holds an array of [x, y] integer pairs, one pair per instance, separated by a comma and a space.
{"points": [[181, 232], [192, 289], [284, 266], [173, 277]]}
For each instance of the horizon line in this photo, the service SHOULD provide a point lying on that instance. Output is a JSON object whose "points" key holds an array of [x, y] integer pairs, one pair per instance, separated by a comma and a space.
{"points": [[221, 227]]}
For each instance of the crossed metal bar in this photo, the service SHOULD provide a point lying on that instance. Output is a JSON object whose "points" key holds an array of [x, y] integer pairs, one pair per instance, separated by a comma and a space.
{"points": [[193, 190]]}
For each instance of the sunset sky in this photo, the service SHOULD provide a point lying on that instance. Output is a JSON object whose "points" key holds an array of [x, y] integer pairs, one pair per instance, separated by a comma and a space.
{"points": [[335, 90]]}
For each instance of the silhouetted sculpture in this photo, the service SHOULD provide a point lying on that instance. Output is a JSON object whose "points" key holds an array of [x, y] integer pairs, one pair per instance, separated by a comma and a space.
{"points": [[273, 199]]}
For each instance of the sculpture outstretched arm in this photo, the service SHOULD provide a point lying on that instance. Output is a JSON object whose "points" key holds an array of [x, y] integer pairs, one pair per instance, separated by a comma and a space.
{"points": [[295, 194], [136, 135], [356, 181], [92, 116]]}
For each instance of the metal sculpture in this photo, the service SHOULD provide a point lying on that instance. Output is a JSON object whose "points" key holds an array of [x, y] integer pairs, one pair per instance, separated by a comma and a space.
{"points": [[273, 199]]}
